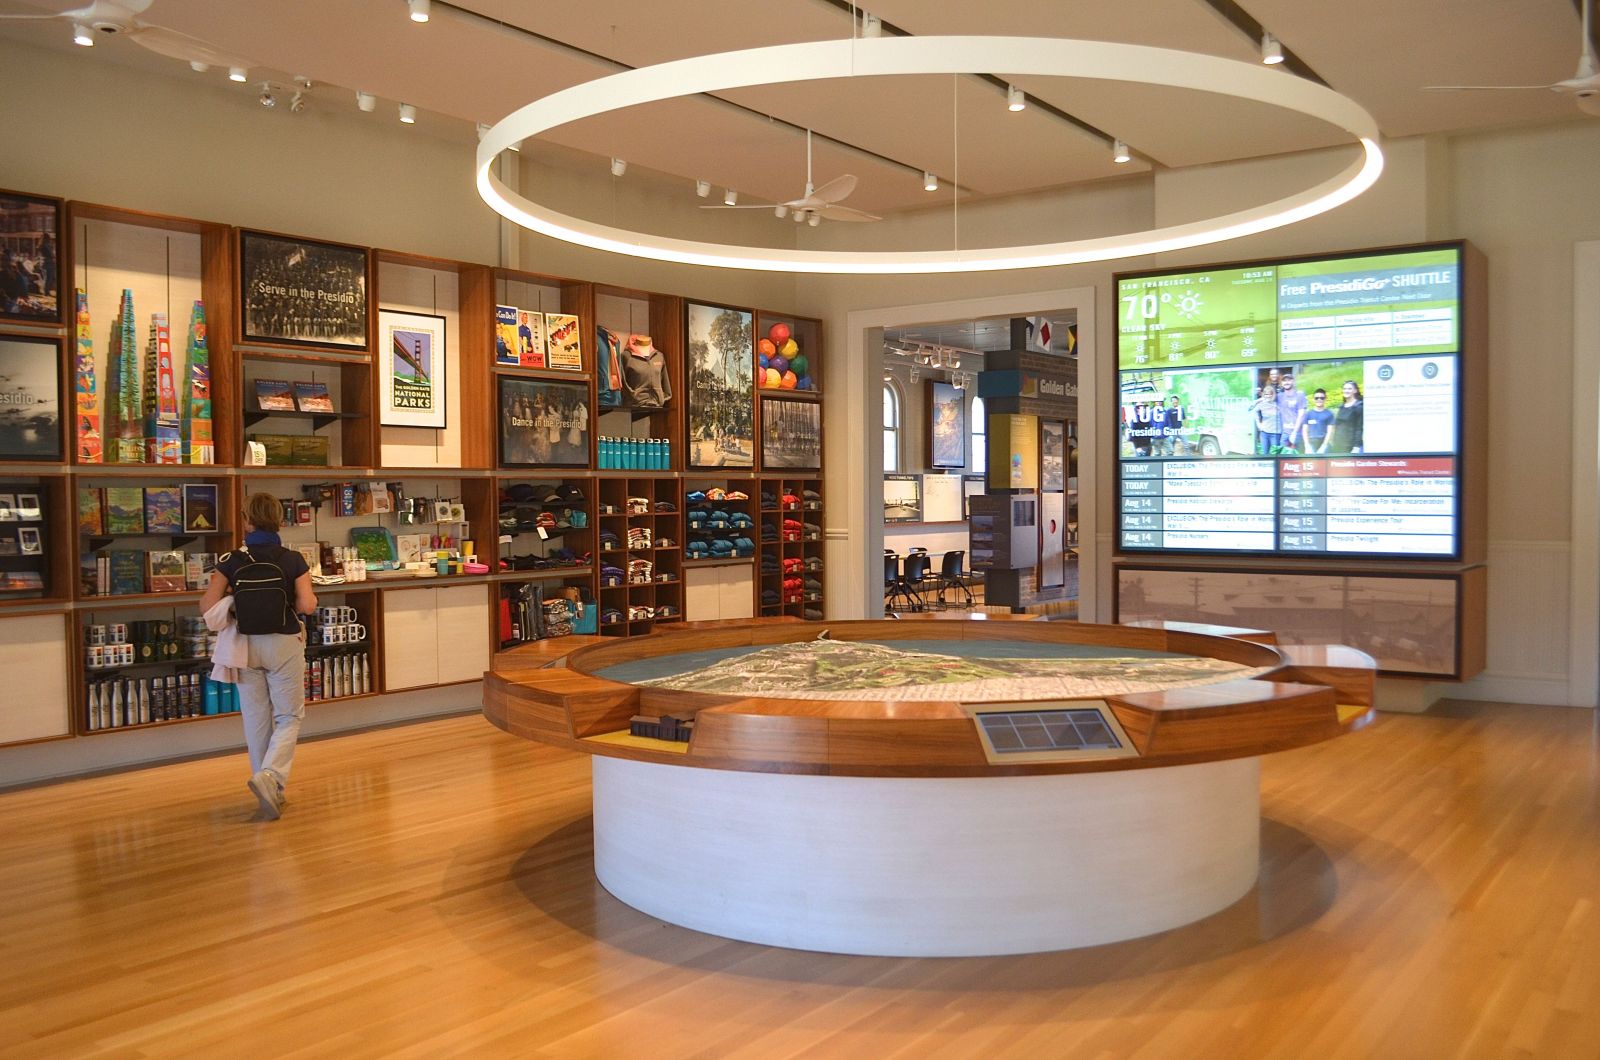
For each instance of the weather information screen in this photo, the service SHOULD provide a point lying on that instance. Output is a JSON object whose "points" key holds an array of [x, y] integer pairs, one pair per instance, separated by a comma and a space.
{"points": [[1292, 407]]}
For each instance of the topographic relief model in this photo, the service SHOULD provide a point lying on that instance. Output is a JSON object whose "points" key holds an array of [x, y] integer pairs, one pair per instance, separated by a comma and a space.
{"points": [[833, 669]]}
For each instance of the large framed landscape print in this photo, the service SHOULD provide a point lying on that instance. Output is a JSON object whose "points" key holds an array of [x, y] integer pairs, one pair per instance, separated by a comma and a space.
{"points": [[411, 370], [947, 426], [301, 292], [721, 380], [30, 266], [543, 423], [791, 434], [30, 399]]}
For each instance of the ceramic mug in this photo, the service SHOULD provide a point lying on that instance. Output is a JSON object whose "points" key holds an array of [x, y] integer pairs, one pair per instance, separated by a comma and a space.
{"points": [[96, 635], [354, 633], [333, 634]]}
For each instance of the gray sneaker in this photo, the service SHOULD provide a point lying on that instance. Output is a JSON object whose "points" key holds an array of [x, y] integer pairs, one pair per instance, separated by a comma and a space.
{"points": [[264, 786]]}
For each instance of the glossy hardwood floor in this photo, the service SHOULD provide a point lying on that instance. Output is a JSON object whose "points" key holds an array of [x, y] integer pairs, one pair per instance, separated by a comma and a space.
{"points": [[1429, 888]]}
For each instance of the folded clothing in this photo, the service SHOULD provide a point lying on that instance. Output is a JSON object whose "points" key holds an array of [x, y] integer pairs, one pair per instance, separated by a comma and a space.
{"points": [[769, 597], [813, 614]]}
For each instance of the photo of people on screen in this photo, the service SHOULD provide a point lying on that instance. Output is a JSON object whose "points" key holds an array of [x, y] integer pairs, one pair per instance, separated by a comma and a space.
{"points": [[1348, 421]]}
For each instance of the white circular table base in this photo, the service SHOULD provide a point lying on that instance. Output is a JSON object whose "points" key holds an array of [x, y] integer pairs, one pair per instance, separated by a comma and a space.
{"points": [[927, 867]]}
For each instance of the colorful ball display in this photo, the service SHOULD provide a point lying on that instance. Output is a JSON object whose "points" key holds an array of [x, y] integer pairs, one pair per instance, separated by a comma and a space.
{"points": [[803, 383], [788, 380], [763, 361], [789, 347], [799, 364], [778, 333], [772, 380], [778, 364], [767, 347]]}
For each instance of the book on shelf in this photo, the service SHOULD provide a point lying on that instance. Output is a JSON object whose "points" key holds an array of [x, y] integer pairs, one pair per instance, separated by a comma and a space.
{"points": [[279, 447], [21, 581], [166, 571], [274, 395], [163, 510], [313, 397], [530, 339], [309, 449], [91, 510], [124, 572], [124, 510], [565, 341], [200, 507], [505, 335], [197, 569]]}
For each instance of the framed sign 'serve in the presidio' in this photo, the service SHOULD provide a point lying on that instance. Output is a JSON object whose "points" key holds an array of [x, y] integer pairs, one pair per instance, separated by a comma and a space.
{"points": [[30, 399], [302, 292], [30, 268], [411, 370]]}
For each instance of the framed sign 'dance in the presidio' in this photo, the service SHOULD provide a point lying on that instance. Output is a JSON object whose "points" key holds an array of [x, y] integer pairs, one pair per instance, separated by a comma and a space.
{"points": [[543, 423], [30, 399], [30, 265], [411, 369], [721, 381], [302, 292]]}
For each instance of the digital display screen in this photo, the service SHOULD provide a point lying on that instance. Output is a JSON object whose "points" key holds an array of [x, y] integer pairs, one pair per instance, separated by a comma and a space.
{"points": [[1306, 406]]}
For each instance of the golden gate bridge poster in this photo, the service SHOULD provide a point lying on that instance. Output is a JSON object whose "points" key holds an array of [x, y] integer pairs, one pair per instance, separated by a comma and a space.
{"points": [[413, 369]]}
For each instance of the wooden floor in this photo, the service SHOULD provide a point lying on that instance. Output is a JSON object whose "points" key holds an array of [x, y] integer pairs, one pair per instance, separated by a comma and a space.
{"points": [[1429, 888]]}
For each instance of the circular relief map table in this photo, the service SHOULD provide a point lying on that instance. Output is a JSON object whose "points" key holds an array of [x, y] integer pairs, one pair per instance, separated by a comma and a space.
{"points": [[928, 789]]}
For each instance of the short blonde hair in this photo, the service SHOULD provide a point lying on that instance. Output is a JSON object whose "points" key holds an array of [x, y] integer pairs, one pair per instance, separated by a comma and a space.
{"points": [[263, 512]]}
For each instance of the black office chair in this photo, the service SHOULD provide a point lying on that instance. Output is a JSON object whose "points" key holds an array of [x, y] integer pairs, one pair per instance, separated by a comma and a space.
{"points": [[894, 586], [914, 573], [953, 575]]}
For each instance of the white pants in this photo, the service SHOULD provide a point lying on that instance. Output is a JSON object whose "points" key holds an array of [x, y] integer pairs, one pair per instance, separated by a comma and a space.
{"points": [[272, 700]]}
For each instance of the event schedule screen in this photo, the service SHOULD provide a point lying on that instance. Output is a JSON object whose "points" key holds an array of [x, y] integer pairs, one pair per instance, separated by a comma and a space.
{"points": [[1292, 407]]}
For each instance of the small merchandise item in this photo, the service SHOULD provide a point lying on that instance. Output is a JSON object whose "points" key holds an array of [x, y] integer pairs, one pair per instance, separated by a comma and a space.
{"points": [[610, 575], [609, 541], [721, 547], [549, 496], [792, 529], [716, 493], [638, 505], [812, 585], [740, 521], [547, 520], [813, 532], [666, 507], [698, 548], [641, 572], [743, 546], [768, 500], [638, 537], [813, 499], [610, 616], [694, 497], [769, 565], [813, 614], [813, 563], [790, 502], [576, 518], [571, 494], [769, 532], [769, 598], [640, 612], [718, 520], [664, 542], [737, 495], [793, 590], [609, 509], [666, 611], [792, 565], [697, 518], [645, 383]]}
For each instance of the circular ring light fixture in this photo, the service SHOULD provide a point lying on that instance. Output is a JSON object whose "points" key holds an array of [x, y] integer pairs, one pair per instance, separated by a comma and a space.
{"points": [[886, 56]]}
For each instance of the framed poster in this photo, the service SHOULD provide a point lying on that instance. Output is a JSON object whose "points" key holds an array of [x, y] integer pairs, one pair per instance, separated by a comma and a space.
{"points": [[563, 344], [30, 399], [301, 292], [721, 381], [791, 434], [412, 370], [947, 426], [30, 268], [941, 498], [971, 486], [1052, 454], [1013, 451], [902, 498], [543, 423]]}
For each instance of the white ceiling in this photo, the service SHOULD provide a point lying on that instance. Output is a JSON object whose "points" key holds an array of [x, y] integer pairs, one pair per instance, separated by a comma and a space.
{"points": [[477, 60]]}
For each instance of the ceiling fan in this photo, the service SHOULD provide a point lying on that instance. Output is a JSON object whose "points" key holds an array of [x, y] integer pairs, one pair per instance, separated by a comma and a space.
{"points": [[120, 18], [1583, 86], [817, 203]]}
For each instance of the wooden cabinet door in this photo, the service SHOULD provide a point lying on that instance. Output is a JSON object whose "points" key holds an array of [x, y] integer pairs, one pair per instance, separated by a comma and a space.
{"points": [[33, 649], [463, 633], [410, 638]]}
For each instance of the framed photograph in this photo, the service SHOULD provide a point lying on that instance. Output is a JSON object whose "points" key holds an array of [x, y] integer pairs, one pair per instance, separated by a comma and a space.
{"points": [[947, 426], [412, 370], [8, 507], [28, 508], [1052, 454], [721, 379], [28, 538], [30, 399], [301, 292], [30, 265], [902, 498], [791, 434], [543, 423], [971, 486], [200, 508]]}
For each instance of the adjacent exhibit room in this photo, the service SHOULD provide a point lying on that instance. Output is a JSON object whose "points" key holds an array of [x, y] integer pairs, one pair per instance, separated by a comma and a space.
{"points": [[800, 528]]}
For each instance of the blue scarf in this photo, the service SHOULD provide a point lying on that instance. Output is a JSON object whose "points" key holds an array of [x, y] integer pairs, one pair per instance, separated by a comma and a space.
{"points": [[262, 537]]}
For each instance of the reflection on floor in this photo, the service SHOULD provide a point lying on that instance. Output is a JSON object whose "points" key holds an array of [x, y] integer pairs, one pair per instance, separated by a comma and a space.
{"points": [[1428, 889]]}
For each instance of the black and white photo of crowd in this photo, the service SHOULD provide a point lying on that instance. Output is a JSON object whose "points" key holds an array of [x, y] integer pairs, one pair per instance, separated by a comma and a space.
{"points": [[303, 292]]}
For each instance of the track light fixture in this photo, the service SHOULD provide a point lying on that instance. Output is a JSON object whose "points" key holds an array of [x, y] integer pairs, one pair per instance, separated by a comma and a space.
{"points": [[702, 188], [780, 210], [199, 67], [420, 10], [618, 167], [82, 35], [239, 74], [1015, 100], [1271, 50], [730, 198], [871, 25], [368, 102], [1120, 153], [929, 182], [267, 99], [408, 114]]}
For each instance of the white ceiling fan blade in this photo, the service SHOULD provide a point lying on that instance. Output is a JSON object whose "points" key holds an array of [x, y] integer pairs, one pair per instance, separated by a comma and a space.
{"points": [[175, 45], [838, 188], [33, 18], [741, 206], [845, 213]]}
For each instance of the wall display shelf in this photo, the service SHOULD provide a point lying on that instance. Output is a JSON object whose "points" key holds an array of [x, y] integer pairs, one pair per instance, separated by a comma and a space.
{"points": [[150, 536], [343, 645], [35, 556], [165, 265], [789, 571], [788, 354], [340, 434], [639, 380], [141, 666], [640, 554]]}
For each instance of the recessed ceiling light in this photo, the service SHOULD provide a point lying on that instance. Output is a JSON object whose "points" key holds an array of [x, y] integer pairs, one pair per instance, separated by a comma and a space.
{"points": [[408, 114], [420, 10]]}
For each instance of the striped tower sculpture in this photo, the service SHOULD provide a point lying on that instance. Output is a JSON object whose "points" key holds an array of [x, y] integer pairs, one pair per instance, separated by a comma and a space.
{"points": [[87, 429], [164, 445], [198, 444], [124, 413]]}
